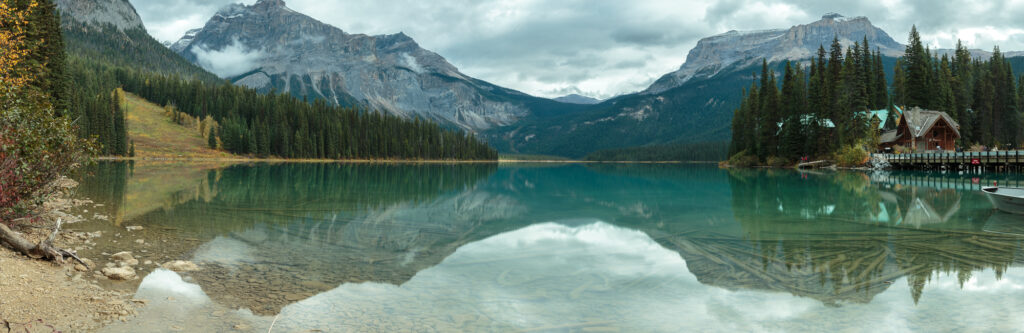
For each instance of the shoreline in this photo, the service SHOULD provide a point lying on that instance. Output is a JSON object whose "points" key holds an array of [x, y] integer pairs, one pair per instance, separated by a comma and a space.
{"points": [[65, 296], [381, 161]]}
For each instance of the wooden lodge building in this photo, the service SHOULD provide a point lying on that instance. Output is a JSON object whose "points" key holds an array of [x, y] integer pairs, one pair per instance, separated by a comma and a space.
{"points": [[922, 130]]}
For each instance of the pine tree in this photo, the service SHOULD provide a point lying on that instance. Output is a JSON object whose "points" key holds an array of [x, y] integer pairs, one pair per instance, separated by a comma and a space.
{"points": [[769, 113], [212, 139], [917, 63], [835, 69], [880, 89], [791, 145], [945, 98], [819, 105], [899, 89]]}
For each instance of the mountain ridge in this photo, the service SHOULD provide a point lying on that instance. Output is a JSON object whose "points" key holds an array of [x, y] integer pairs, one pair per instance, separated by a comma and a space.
{"points": [[577, 99], [291, 52], [735, 49], [693, 104]]}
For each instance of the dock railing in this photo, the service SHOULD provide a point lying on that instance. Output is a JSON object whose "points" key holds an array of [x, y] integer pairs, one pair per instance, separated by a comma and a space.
{"points": [[1006, 160]]}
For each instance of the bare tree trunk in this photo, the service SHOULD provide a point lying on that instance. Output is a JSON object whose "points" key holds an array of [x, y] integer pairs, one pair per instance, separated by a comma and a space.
{"points": [[42, 250]]}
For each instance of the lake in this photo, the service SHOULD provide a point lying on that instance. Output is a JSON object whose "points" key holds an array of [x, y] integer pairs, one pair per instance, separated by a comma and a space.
{"points": [[564, 248]]}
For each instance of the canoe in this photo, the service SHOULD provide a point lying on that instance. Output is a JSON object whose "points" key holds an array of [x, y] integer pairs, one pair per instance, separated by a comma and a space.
{"points": [[1007, 199]]}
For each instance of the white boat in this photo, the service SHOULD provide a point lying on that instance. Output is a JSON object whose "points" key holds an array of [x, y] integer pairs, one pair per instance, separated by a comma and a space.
{"points": [[1007, 199]]}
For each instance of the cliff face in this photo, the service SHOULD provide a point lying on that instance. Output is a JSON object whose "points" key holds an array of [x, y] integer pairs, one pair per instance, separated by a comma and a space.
{"points": [[736, 49], [268, 46], [119, 13]]}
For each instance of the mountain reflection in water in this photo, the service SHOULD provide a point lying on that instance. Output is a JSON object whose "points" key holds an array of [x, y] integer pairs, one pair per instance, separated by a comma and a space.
{"points": [[650, 248]]}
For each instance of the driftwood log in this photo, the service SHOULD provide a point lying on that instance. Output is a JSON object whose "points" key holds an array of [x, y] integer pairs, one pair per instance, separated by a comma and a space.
{"points": [[42, 250]]}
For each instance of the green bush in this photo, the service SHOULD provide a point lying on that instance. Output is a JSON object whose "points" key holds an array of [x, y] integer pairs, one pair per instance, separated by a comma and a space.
{"points": [[743, 160], [36, 148], [777, 162], [851, 156]]}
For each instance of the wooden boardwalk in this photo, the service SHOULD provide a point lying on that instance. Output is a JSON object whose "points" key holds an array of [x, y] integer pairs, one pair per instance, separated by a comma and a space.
{"points": [[953, 181], [999, 161]]}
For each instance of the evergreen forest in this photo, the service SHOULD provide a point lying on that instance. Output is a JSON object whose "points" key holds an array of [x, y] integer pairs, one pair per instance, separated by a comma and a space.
{"points": [[820, 111]]}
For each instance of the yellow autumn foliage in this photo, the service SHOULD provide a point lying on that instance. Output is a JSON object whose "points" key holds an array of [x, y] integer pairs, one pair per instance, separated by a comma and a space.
{"points": [[13, 44]]}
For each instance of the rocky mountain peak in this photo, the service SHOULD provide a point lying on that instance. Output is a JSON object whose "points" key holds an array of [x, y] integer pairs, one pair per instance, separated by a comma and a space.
{"points": [[119, 13], [267, 46], [735, 50]]}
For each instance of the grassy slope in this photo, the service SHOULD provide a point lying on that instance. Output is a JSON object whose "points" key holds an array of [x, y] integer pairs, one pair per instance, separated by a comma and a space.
{"points": [[155, 136]]}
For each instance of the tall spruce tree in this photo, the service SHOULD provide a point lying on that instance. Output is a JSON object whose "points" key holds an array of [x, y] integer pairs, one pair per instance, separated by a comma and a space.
{"points": [[880, 88], [791, 144], [835, 70], [917, 69], [945, 99]]}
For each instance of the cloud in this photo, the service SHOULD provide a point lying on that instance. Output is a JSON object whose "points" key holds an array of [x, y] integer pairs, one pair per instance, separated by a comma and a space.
{"points": [[232, 60], [543, 47]]}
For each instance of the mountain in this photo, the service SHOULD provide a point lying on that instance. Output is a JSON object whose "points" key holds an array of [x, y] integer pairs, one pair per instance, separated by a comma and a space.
{"points": [[184, 42], [577, 99], [110, 32], [269, 47], [98, 13], [693, 104], [735, 49]]}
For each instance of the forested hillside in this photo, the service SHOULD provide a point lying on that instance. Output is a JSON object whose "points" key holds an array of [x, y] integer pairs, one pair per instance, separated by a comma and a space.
{"points": [[248, 122]]}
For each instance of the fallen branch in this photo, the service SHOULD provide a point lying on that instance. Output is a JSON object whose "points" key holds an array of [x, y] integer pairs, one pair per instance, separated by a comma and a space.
{"points": [[42, 250]]}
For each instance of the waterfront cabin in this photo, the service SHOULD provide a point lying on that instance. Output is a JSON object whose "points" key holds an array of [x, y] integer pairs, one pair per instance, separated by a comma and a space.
{"points": [[923, 130]]}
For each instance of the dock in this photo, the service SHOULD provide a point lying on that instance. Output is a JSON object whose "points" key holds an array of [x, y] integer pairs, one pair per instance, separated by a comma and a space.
{"points": [[814, 165], [989, 161]]}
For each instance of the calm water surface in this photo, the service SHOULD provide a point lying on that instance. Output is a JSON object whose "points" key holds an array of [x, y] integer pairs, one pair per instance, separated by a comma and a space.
{"points": [[337, 248]]}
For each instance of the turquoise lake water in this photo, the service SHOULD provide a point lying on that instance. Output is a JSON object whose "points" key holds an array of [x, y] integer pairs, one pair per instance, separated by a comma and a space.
{"points": [[563, 248]]}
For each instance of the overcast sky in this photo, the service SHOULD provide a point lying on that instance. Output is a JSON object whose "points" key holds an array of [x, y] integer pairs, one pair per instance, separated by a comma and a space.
{"points": [[603, 48]]}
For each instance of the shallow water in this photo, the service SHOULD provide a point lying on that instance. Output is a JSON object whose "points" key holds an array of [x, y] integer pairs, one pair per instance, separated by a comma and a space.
{"points": [[352, 247]]}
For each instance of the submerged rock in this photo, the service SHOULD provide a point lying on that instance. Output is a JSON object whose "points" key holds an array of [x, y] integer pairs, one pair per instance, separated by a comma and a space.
{"points": [[181, 266], [119, 273], [125, 258]]}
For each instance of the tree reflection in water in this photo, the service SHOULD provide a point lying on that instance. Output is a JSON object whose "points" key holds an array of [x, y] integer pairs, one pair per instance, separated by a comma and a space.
{"points": [[838, 238]]}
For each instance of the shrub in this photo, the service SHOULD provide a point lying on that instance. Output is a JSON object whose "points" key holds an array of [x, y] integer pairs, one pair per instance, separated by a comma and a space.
{"points": [[743, 160], [777, 162], [900, 149], [36, 147], [852, 156]]}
